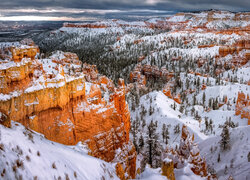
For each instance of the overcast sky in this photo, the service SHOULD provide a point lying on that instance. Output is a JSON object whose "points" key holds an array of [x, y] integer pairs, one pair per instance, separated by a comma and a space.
{"points": [[101, 9]]}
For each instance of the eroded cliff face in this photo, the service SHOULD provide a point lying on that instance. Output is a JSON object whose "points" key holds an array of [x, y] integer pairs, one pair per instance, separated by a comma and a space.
{"points": [[243, 106], [68, 102]]}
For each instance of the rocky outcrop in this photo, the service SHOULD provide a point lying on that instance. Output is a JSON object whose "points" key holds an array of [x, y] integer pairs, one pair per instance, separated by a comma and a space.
{"points": [[198, 163], [18, 53], [141, 74], [5, 120], [243, 106], [167, 92], [235, 49], [126, 159], [168, 169], [188, 152], [68, 102]]}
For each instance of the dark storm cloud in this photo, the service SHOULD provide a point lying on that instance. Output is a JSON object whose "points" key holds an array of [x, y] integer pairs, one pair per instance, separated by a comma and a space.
{"points": [[114, 8], [125, 4]]}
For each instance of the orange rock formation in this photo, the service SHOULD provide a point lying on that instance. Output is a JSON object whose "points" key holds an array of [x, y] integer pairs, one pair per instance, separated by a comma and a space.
{"points": [[68, 106], [168, 169], [188, 151], [243, 106]]}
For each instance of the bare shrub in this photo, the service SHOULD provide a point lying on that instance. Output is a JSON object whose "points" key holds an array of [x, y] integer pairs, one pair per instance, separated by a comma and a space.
{"points": [[54, 165]]}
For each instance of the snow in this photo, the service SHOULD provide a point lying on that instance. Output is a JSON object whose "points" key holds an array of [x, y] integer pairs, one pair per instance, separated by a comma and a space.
{"points": [[167, 160], [88, 87], [91, 31], [31, 103], [218, 24], [186, 173], [35, 87], [243, 74], [235, 158], [223, 15], [10, 64], [58, 55], [152, 174], [164, 113], [178, 18], [6, 97], [32, 117], [75, 158], [22, 145], [48, 66]]}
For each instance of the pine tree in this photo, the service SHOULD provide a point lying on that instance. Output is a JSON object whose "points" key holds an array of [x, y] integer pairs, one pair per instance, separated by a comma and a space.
{"points": [[203, 98], [153, 146], [177, 129], [206, 123], [226, 170], [140, 144], [166, 136], [174, 107], [218, 159], [143, 123], [225, 138], [211, 125], [210, 103], [151, 110], [163, 131], [181, 108], [194, 100], [187, 83], [135, 143], [198, 82]]}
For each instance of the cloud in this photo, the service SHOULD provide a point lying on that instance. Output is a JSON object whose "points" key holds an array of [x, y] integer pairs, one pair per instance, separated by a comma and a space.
{"points": [[74, 14], [99, 9], [44, 18], [153, 2]]}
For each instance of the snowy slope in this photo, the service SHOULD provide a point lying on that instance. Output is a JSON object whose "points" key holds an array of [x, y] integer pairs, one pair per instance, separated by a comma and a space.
{"points": [[164, 113], [152, 174], [28, 155], [235, 159]]}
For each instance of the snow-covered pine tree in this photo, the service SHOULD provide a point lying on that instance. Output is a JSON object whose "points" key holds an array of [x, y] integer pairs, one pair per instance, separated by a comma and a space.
{"points": [[163, 131], [225, 138], [177, 129], [153, 146], [203, 98], [166, 136]]}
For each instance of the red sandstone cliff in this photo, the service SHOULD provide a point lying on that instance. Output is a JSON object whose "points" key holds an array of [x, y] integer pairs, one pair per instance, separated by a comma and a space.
{"points": [[67, 102]]}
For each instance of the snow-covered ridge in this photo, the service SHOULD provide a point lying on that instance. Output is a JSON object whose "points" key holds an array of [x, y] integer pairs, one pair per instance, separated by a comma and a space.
{"points": [[210, 19], [28, 155]]}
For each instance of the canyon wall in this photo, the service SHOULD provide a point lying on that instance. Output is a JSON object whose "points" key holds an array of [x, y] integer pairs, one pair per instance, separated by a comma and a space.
{"points": [[68, 102]]}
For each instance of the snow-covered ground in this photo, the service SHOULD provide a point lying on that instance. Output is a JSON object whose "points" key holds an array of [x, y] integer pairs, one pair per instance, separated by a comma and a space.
{"points": [[28, 155], [134, 39], [164, 113], [152, 174], [184, 173], [235, 159]]}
